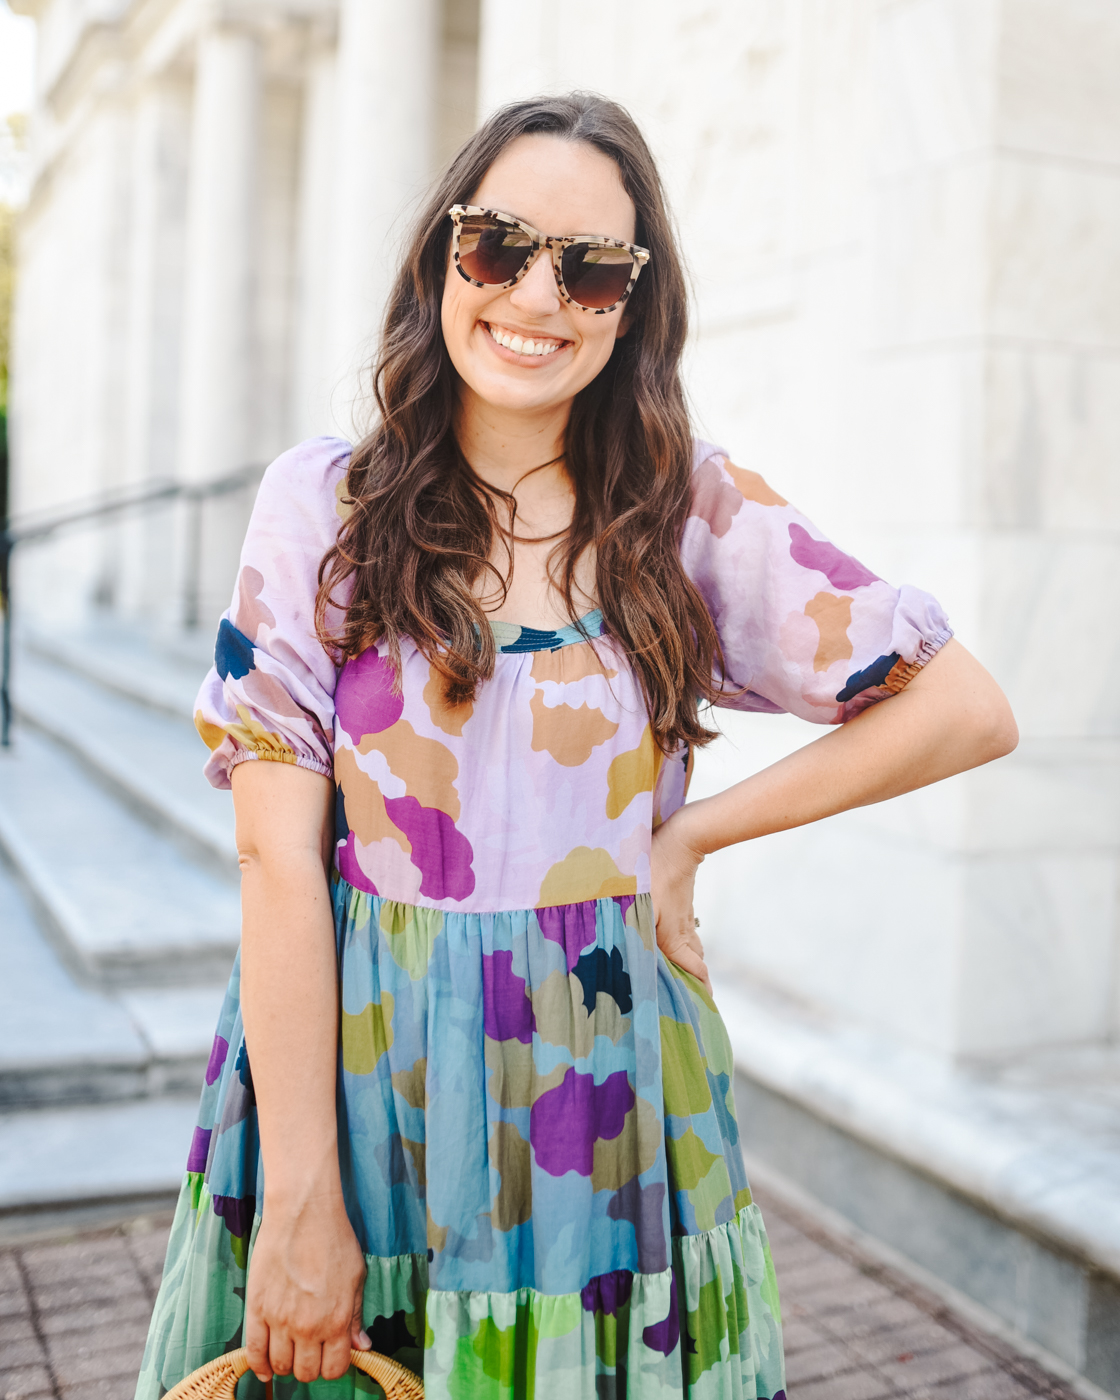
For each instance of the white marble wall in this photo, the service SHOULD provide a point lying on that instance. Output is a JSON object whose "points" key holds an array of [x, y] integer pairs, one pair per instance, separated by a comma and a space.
{"points": [[901, 220]]}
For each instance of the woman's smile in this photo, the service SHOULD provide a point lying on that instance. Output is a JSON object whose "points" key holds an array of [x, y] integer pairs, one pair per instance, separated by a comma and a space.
{"points": [[521, 347]]}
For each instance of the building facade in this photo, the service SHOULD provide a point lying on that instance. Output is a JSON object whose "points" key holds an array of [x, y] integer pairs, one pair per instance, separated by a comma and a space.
{"points": [[902, 221]]}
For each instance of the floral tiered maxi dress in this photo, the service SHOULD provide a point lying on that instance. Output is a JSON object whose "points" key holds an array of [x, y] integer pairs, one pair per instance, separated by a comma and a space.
{"points": [[537, 1130]]}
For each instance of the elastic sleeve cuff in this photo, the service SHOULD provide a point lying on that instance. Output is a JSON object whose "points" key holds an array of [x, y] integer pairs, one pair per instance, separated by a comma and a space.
{"points": [[242, 755], [903, 672]]}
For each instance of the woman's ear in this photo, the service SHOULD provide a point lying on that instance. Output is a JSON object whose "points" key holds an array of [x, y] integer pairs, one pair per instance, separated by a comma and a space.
{"points": [[624, 323]]}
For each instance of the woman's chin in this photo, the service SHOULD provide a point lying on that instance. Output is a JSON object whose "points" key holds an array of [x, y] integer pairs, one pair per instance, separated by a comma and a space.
{"points": [[503, 391]]}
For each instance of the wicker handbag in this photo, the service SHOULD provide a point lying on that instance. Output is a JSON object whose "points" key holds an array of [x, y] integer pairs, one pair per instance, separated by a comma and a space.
{"points": [[217, 1380]]}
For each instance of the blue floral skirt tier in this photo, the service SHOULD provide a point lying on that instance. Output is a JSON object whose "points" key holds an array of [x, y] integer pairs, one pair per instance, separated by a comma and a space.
{"points": [[540, 1159]]}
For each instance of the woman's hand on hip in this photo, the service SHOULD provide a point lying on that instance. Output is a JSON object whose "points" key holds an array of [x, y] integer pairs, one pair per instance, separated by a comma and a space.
{"points": [[673, 866], [303, 1307]]}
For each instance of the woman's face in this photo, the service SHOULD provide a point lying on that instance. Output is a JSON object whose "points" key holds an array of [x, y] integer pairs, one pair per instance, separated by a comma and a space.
{"points": [[560, 187]]}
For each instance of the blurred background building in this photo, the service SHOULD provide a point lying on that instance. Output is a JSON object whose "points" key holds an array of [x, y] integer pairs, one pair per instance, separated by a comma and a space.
{"points": [[902, 219]]}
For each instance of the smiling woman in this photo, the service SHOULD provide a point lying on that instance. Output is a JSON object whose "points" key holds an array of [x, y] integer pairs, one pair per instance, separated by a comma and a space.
{"points": [[489, 1121]]}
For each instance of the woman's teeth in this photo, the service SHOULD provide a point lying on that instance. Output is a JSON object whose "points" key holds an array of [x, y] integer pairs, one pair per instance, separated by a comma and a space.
{"points": [[523, 347]]}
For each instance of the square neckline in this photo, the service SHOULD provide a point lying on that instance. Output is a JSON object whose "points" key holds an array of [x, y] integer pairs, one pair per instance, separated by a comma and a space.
{"points": [[513, 637]]}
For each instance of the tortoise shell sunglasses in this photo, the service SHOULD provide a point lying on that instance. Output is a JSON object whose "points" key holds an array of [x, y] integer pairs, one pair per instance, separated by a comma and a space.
{"points": [[492, 249]]}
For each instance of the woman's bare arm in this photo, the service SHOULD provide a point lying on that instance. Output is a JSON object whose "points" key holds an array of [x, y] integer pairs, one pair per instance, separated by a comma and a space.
{"points": [[951, 717], [303, 1305]]}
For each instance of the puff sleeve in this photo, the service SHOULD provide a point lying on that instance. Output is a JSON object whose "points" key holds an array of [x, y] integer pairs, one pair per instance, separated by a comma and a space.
{"points": [[270, 693], [805, 628]]}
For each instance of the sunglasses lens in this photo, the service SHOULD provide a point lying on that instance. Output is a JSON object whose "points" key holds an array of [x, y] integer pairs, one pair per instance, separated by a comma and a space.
{"points": [[595, 276], [492, 252]]}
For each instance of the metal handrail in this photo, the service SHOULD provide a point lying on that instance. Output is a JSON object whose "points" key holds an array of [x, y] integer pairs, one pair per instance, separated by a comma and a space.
{"points": [[101, 509]]}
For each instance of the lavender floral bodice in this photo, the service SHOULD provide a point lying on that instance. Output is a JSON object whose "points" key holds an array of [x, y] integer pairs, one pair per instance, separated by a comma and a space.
{"points": [[544, 792]]}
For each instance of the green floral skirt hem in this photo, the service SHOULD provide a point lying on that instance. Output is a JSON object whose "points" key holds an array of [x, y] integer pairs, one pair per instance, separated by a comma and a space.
{"points": [[708, 1327]]}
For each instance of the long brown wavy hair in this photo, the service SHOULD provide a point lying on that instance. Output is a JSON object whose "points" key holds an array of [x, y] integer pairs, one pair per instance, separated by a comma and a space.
{"points": [[419, 534]]}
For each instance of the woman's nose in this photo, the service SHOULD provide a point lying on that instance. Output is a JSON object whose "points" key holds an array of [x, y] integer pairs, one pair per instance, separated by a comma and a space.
{"points": [[536, 293]]}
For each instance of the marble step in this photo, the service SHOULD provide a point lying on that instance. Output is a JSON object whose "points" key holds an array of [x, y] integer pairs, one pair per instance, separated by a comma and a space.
{"points": [[70, 1163], [162, 672], [63, 1042], [1001, 1181], [1035, 1141], [122, 904], [149, 758]]}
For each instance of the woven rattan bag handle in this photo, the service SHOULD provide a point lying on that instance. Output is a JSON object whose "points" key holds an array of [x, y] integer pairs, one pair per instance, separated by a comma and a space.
{"points": [[217, 1380]]}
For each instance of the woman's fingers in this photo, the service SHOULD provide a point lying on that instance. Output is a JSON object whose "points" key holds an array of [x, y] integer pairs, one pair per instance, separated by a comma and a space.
{"points": [[309, 1360], [684, 957], [257, 1347], [673, 866], [359, 1338], [336, 1357], [331, 1359], [683, 947], [275, 1352], [338, 1354], [281, 1352]]}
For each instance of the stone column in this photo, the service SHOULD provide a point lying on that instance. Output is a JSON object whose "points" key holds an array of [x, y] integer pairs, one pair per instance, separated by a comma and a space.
{"points": [[513, 52], [68, 352], [158, 181], [216, 402], [316, 227], [387, 60], [457, 88]]}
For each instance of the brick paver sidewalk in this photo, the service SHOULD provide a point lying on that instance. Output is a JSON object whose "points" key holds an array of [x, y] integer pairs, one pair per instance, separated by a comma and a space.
{"points": [[73, 1317]]}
